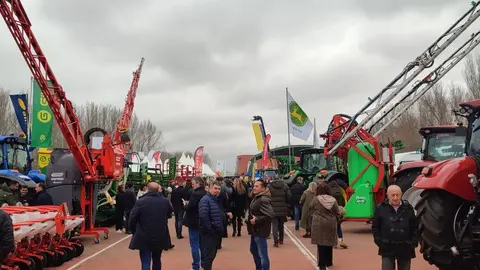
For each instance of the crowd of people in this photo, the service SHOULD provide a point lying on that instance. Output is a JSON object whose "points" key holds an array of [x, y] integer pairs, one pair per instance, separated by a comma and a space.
{"points": [[207, 208]]}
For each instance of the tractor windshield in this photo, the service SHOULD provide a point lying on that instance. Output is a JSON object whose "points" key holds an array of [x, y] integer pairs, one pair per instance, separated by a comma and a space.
{"points": [[313, 162], [443, 146], [17, 157]]}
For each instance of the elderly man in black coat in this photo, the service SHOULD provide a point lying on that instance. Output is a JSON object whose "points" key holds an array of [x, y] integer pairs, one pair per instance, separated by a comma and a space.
{"points": [[148, 224]]}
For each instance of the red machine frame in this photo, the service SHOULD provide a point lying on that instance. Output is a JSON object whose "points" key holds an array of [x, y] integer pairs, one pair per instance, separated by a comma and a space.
{"points": [[105, 164]]}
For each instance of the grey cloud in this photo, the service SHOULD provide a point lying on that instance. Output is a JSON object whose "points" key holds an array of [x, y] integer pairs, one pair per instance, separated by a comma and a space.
{"points": [[211, 65]]}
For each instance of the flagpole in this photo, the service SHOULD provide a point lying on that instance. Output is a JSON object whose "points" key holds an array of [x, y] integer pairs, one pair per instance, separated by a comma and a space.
{"points": [[288, 131], [314, 132]]}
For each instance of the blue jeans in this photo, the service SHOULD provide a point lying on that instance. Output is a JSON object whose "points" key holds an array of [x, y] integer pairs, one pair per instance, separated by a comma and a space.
{"points": [[339, 231], [179, 221], [148, 257], [194, 237], [259, 250], [297, 212]]}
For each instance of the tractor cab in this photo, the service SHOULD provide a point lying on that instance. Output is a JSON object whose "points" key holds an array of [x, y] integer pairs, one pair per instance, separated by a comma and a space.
{"points": [[15, 161], [443, 142], [439, 143], [14, 154]]}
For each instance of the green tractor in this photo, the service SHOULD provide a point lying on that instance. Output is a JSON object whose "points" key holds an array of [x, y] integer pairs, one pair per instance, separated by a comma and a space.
{"points": [[312, 161], [105, 214]]}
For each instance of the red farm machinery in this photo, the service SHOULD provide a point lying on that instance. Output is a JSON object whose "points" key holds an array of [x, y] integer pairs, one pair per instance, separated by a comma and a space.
{"points": [[370, 163], [77, 172]]}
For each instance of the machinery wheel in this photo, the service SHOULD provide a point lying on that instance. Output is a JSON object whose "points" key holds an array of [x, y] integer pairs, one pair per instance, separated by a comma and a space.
{"points": [[96, 240], [38, 263], [405, 180], [21, 266], [59, 260], [49, 258], [69, 254], [33, 265], [436, 213], [105, 236], [79, 248]]}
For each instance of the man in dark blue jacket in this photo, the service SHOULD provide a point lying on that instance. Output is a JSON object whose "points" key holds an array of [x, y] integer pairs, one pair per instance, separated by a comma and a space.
{"points": [[211, 224], [191, 219], [148, 224]]}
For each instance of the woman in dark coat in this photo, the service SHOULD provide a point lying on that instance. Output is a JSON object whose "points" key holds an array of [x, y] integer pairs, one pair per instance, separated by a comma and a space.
{"points": [[239, 206]]}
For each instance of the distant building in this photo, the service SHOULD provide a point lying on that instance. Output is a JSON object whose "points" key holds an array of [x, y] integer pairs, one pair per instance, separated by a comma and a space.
{"points": [[242, 164]]}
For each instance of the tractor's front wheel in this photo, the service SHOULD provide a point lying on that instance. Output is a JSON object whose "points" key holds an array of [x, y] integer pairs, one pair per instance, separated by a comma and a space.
{"points": [[436, 212]]}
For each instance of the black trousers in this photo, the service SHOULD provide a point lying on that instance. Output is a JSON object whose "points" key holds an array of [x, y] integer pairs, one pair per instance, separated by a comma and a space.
{"points": [[324, 256], [208, 247], [237, 223], [389, 264], [119, 219], [127, 217]]}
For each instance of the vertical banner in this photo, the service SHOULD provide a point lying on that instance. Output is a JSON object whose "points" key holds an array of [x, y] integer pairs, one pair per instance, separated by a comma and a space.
{"points": [[265, 151], [156, 157], [42, 119], [198, 156], [20, 105], [257, 131], [43, 159]]}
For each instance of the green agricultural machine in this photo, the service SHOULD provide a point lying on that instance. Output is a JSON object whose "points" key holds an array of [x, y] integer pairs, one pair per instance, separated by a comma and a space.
{"points": [[106, 195]]}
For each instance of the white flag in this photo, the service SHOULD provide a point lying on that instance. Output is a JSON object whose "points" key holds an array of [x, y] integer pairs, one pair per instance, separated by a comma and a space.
{"points": [[316, 141], [300, 125]]}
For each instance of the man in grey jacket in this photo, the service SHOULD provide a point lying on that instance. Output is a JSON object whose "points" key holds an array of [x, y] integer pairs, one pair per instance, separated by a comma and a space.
{"points": [[280, 197]]}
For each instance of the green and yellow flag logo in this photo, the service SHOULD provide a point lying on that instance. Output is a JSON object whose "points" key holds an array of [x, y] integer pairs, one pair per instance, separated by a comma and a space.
{"points": [[298, 117], [42, 119], [299, 124]]}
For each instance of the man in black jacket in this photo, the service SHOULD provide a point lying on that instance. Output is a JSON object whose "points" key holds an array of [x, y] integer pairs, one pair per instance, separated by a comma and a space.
{"points": [[191, 219], [130, 200], [280, 194], [148, 224], [259, 224], [42, 198], [395, 230], [178, 196], [297, 190], [7, 244]]}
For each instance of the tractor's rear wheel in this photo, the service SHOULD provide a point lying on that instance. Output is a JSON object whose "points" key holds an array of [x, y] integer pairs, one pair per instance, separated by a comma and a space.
{"points": [[436, 214]]}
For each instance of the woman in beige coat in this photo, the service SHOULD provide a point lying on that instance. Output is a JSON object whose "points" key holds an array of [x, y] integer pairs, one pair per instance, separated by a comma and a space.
{"points": [[326, 214], [305, 201]]}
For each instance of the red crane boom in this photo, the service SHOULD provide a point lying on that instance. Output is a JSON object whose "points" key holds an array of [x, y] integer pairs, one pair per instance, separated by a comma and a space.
{"points": [[123, 124], [19, 25]]}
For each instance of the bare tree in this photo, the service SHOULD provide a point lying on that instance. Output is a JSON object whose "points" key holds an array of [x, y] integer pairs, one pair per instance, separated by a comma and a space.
{"points": [[434, 107], [471, 75], [147, 137], [457, 95], [8, 119]]}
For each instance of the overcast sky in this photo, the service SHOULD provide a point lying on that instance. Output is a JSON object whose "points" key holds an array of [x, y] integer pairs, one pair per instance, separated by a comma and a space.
{"points": [[210, 65]]}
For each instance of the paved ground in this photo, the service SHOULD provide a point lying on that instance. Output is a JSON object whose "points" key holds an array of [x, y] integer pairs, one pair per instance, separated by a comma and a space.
{"points": [[362, 253], [296, 253]]}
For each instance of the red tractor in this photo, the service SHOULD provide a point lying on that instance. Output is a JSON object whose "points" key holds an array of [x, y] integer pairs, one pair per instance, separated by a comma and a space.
{"points": [[439, 143], [449, 196]]}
